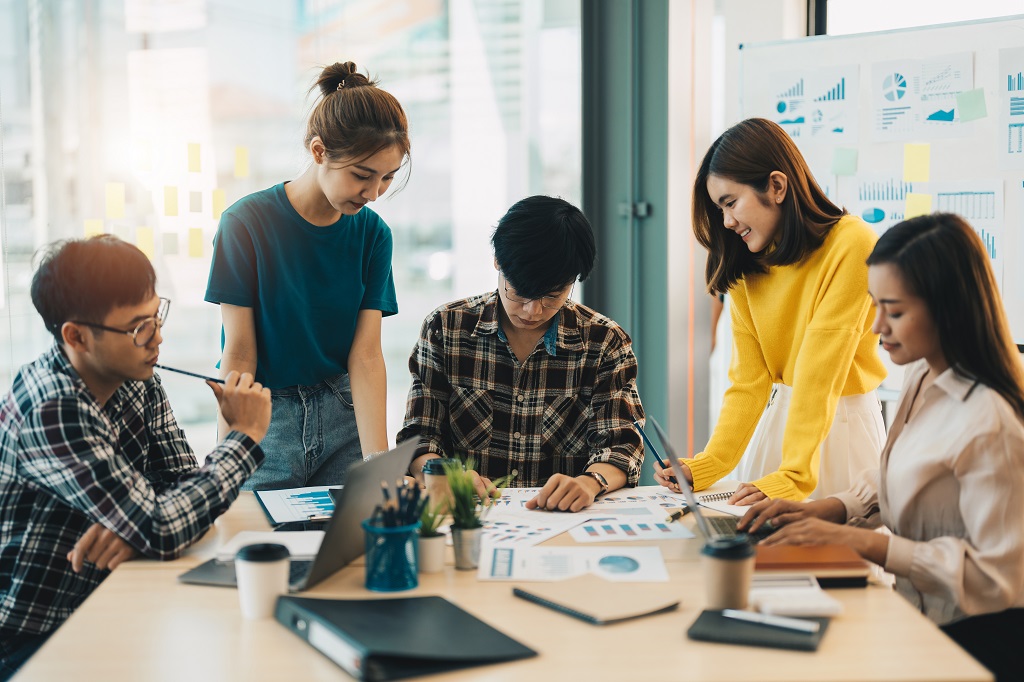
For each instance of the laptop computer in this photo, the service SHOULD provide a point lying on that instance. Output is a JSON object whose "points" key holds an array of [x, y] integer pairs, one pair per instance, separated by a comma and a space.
{"points": [[711, 527], [343, 535]]}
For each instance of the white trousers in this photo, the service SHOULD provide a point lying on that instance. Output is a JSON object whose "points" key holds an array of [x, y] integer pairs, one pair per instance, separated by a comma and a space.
{"points": [[853, 445]]}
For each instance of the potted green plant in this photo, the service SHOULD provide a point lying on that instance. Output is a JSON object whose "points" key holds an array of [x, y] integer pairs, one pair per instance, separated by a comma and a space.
{"points": [[431, 551], [466, 509]]}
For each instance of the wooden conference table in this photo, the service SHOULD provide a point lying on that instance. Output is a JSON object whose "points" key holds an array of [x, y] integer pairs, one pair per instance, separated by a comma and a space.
{"points": [[141, 624]]}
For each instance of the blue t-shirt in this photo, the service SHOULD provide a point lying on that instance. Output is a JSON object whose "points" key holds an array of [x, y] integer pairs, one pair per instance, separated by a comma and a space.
{"points": [[305, 284]]}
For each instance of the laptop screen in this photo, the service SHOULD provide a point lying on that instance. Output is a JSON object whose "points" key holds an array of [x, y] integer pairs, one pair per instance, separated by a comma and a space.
{"points": [[684, 485]]}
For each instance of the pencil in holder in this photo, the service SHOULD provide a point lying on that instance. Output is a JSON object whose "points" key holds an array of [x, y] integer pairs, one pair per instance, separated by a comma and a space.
{"points": [[392, 556]]}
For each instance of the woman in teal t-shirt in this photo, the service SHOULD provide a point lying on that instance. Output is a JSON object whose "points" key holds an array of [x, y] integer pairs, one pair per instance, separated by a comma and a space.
{"points": [[302, 272]]}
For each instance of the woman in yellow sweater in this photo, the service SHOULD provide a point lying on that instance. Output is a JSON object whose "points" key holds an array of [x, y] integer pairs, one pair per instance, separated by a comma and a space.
{"points": [[805, 362]]}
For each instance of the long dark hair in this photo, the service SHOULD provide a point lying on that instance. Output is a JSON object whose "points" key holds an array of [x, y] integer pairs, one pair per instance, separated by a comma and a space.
{"points": [[748, 153], [354, 118], [943, 261]]}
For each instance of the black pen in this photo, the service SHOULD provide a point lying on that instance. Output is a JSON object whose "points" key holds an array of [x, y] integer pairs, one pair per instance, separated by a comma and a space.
{"points": [[654, 450], [676, 515], [191, 374]]}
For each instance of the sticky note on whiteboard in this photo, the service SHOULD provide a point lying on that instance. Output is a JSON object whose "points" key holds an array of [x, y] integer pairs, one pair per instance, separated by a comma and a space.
{"points": [[219, 201], [195, 242], [115, 200], [241, 162], [917, 159], [170, 201], [844, 161], [917, 204], [195, 164], [144, 240], [93, 227], [970, 105]]}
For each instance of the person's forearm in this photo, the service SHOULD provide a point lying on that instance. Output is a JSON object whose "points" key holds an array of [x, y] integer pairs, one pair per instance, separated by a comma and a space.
{"points": [[869, 544], [828, 509], [368, 377], [615, 476], [231, 362]]}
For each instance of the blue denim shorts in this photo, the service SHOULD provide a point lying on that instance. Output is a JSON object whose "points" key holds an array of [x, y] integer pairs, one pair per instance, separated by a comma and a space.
{"points": [[312, 439]]}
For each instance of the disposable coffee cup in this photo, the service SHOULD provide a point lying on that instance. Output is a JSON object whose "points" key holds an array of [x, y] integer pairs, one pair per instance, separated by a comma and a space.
{"points": [[436, 481], [262, 575], [728, 571]]}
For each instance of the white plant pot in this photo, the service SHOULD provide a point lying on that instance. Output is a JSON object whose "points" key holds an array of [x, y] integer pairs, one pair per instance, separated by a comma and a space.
{"points": [[432, 553]]}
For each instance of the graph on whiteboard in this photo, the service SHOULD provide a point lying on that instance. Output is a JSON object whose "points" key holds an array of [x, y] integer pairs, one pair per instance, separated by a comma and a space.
{"points": [[980, 202], [1011, 108], [812, 104], [915, 97]]}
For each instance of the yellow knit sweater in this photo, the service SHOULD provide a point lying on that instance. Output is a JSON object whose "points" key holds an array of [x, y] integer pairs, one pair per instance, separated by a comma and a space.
{"points": [[806, 325]]}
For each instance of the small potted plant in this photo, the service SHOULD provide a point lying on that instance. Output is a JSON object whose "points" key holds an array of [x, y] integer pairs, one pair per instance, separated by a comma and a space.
{"points": [[466, 510], [431, 540]]}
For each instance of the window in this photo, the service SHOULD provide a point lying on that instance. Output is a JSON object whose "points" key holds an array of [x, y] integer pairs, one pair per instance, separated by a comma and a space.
{"points": [[859, 16], [146, 118]]}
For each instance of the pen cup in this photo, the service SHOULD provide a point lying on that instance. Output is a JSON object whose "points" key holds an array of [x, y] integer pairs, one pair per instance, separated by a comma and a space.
{"points": [[261, 572], [728, 570], [392, 557]]}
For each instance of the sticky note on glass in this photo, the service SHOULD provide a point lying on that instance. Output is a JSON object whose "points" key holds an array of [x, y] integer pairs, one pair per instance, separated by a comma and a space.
{"points": [[970, 105], [115, 200], [917, 204], [844, 161], [170, 201], [241, 162], [93, 227], [194, 163], [144, 240], [195, 202], [170, 243], [917, 160], [195, 242], [219, 200]]}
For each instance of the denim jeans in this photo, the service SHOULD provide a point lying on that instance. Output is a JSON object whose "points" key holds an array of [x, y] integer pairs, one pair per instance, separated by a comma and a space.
{"points": [[312, 439]]}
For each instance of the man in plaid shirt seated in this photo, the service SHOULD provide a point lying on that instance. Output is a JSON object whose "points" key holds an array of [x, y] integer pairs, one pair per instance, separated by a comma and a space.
{"points": [[524, 380], [93, 467]]}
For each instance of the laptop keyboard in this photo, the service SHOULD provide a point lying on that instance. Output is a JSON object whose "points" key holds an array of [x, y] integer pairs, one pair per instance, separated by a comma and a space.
{"points": [[726, 527], [298, 570]]}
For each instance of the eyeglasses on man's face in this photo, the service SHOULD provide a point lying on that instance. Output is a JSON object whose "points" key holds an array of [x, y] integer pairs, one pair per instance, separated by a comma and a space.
{"points": [[144, 331], [549, 302]]}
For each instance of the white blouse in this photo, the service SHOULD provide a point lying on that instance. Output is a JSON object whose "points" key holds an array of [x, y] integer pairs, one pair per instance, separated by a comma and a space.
{"points": [[951, 489]]}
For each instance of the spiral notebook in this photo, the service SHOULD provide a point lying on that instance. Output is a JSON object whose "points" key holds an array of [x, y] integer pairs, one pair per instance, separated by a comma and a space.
{"points": [[720, 502]]}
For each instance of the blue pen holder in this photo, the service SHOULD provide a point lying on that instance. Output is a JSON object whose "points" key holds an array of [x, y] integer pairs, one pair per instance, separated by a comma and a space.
{"points": [[392, 557]]}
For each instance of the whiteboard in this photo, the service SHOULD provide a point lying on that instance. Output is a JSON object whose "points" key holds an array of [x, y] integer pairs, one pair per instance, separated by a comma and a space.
{"points": [[909, 120]]}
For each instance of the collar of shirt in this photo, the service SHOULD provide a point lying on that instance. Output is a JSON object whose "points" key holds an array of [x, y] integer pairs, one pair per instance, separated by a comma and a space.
{"points": [[956, 385], [564, 331], [62, 365]]}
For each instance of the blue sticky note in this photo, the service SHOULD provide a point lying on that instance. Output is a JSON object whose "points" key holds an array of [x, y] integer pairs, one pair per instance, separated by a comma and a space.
{"points": [[844, 161], [971, 105]]}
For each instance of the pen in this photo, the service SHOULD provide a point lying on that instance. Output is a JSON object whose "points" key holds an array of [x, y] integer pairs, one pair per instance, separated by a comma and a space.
{"points": [[808, 626], [654, 450], [191, 374], [676, 515]]}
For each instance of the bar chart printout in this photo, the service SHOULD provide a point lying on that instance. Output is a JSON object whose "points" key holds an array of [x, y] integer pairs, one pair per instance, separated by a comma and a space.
{"points": [[289, 505]]}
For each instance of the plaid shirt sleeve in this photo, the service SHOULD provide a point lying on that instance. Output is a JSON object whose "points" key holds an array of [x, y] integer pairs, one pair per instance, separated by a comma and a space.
{"points": [[616, 404], [75, 452], [170, 455], [426, 409]]}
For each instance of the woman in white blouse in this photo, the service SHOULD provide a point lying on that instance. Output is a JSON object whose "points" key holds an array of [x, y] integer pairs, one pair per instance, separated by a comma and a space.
{"points": [[951, 481]]}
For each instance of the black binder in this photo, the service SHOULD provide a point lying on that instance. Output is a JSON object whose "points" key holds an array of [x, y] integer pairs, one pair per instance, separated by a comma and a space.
{"points": [[393, 639], [712, 626]]}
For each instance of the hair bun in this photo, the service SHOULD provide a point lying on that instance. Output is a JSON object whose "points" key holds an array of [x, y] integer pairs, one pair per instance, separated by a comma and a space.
{"points": [[339, 76]]}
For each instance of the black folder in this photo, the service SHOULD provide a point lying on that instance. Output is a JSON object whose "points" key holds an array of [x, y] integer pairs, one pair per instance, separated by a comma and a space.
{"points": [[393, 639], [712, 626]]}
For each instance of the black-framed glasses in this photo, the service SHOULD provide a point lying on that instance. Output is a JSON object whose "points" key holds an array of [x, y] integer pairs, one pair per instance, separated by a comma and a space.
{"points": [[549, 302], [144, 331]]}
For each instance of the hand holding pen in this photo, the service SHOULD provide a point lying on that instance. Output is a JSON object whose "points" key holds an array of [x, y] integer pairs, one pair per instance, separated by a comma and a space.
{"points": [[654, 450]]}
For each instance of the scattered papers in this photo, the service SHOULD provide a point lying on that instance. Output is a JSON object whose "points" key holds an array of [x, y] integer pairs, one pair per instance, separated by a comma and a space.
{"points": [[625, 530], [525, 528], [616, 564], [301, 544]]}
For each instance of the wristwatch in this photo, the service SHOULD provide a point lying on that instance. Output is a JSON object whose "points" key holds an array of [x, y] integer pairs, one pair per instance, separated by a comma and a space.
{"points": [[601, 480]]}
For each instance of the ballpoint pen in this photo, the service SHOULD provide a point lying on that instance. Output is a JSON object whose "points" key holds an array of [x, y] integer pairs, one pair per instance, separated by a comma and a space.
{"points": [[676, 515], [654, 450], [191, 374]]}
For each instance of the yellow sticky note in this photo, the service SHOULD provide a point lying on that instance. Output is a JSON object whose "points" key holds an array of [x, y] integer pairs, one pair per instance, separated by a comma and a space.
{"points": [[917, 204], [93, 227], [241, 162], [194, 164], [195, 242], [219, 201], [144, 240], [917, 160], [115, 200], [170, 201]]}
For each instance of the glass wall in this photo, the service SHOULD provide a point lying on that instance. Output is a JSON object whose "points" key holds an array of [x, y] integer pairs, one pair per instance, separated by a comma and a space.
{"points": [[146, 118]]}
